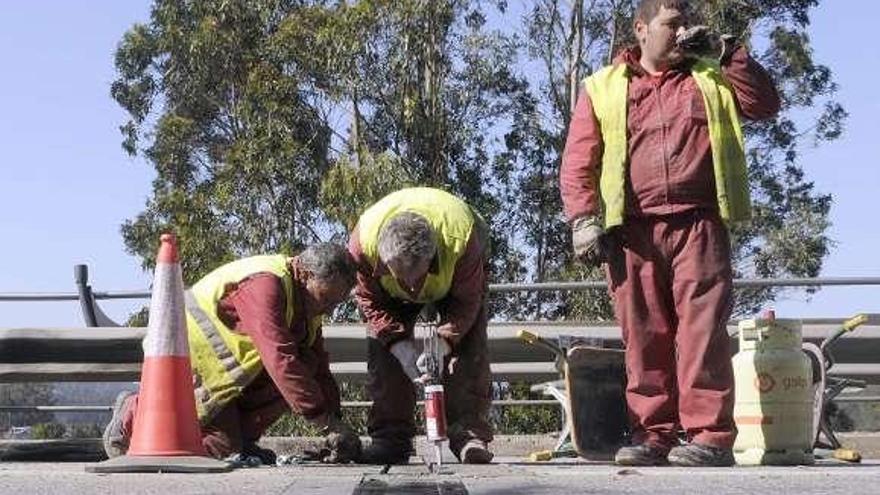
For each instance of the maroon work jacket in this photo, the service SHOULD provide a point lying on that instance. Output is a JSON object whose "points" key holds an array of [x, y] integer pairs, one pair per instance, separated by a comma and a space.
{"points": [[670, 158]]}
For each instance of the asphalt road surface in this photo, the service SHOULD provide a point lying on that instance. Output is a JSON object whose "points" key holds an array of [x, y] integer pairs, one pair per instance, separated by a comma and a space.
{"points": [[509, 475]]}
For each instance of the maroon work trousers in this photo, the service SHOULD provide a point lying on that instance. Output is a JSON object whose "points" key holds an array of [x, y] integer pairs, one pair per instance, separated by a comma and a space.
{"points": [[242, 422], [670, 279], [467, 390]]}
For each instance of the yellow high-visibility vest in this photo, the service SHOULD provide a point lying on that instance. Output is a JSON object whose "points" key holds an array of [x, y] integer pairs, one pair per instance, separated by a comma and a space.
{"points": [[224, 361], [451, 219], [608, 93]]}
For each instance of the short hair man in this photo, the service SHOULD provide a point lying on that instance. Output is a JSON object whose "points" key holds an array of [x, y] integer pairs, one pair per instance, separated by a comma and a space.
{"points": [[654, 168]]}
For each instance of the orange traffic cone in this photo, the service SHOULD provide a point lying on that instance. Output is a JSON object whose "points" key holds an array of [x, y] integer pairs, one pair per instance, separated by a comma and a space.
{"points": [[166, 436]]}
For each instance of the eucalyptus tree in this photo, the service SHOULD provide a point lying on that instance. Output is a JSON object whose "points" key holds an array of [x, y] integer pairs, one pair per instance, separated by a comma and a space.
{"points": [[231, 126]]}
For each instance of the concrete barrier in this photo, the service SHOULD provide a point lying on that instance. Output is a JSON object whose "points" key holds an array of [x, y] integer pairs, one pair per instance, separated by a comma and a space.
{"points": [[114, 353]]}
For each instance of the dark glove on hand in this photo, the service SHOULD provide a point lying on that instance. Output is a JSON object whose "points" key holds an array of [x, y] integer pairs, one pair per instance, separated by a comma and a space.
{"points": [[701, 41], [341, 443]]}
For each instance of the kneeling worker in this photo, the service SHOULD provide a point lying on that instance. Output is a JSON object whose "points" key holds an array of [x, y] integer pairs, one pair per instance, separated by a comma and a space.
{"points": [[257, 352]]}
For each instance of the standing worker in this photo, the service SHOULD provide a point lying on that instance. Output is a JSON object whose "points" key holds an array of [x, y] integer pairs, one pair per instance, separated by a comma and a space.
{"points": [[653, 171], [417, 246], [256, 348]]}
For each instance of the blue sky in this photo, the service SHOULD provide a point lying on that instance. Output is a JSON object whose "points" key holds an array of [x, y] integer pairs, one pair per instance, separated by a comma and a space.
{"points": [[67, 185]]}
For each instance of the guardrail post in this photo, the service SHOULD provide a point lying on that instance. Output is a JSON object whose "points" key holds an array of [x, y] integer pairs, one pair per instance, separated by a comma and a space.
{"points": [[92, 313], [86, 300]]}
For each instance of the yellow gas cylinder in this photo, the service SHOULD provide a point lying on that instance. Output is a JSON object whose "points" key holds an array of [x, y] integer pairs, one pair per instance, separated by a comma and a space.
{"points": [[774, 398]]}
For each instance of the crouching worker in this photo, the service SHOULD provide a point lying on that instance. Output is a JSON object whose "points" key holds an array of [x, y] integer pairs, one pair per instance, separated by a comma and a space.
{"points": [[256, 348], [413, 247]]}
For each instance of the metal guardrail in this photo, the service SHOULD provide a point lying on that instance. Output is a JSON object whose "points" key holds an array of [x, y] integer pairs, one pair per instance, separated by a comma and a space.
{"points": [[94, 317], [85, 292], [356, 404], [740, 283], [367, 403]]}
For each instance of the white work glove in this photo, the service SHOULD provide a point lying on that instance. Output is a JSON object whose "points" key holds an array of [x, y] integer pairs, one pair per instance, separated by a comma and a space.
{"points": [[586, 233], [406, 353], [422, 361]]}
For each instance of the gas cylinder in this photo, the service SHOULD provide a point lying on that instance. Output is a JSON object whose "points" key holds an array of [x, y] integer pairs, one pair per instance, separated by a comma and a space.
{"points": [[774, 398]]}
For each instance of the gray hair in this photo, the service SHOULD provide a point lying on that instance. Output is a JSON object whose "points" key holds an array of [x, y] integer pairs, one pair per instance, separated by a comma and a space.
{"points": [[408, 238], [329, 263]]}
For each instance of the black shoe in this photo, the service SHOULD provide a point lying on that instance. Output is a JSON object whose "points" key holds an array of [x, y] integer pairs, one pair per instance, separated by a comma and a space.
{"points": [[266, 456], [641, 455], [115, 444], [384, 452], [697, 455], [475, 452]]}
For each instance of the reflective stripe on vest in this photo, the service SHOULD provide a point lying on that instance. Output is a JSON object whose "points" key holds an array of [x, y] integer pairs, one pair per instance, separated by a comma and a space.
{"points": [[224, 361], [608, 90], [237, 374], [451, 219]]}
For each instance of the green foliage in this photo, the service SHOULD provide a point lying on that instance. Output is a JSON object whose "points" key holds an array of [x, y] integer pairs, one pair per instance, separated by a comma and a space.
{"points": [[238, 148], [140, 318], [48, 431], [25, 394], [83, 430], [348, 188], [294, 425], [525, 419], [505, 420], [274, 123], [589, 305]]}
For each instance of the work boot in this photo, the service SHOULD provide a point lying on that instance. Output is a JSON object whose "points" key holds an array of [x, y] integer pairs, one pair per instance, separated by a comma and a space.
{"points": [[384, 452], [644, 454], [266, 456], [475, 452], [115, 443], [698, 455]]}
